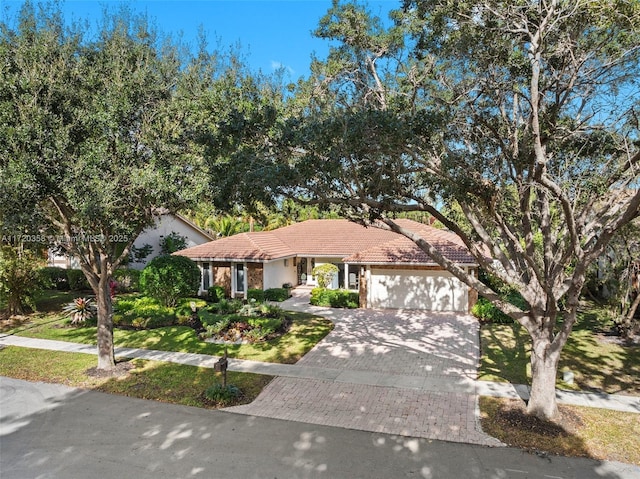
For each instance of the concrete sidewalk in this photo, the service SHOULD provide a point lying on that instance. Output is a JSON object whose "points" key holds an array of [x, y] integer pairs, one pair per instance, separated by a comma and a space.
{"points": [[460, 385]]}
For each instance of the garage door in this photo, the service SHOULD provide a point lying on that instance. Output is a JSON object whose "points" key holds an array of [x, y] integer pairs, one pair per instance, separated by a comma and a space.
{"points": [[410, 289]]}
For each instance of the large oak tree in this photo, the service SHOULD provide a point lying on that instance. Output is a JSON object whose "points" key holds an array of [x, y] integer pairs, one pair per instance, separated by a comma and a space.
{"points": [[515, 124], [92, 138]]}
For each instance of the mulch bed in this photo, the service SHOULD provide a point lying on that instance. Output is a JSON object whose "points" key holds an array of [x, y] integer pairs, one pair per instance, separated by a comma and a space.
{"points": [[121, 370], [512, 414]]}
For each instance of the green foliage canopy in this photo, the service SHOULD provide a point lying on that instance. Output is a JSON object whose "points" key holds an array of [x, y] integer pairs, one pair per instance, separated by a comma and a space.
{"points": [[170, 278]]}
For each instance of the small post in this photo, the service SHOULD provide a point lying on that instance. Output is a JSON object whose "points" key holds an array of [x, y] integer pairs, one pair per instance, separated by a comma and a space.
{"points": [[221, 367], [224, 369]]}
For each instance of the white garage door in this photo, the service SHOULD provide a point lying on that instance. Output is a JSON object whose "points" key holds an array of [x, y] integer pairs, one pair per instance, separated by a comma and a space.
{"points": [[410, 289]]}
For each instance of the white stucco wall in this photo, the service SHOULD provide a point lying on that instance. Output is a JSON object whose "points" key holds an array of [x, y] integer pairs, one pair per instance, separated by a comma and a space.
{"points": [[276, 273], [164, 226]]}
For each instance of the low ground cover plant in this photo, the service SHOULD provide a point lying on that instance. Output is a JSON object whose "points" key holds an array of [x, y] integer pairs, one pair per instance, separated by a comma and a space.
{"points": [[233, 321], [142, 312]]}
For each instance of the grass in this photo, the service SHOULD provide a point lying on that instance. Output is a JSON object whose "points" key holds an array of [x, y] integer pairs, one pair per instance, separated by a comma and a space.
{"points": [[597, 363], [174, 383], [166, 382], [305, 332], [583, 432]]}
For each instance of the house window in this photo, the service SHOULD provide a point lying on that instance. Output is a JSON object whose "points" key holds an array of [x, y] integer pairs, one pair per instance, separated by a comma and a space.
{"points": [[240, 278], [206, 278], [286, 263]]}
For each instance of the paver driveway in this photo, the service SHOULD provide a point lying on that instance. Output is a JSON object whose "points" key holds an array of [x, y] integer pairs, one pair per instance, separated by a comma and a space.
{"points": [[420, 346]]}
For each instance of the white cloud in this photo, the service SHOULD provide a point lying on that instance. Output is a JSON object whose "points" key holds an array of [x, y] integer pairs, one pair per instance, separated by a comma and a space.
{"points": [[275, 65]]}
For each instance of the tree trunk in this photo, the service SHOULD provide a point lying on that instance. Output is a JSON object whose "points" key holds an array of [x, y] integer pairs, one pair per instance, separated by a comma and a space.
{"points": [[106, 355], [628, 327], [14, 304], [544, 369]]}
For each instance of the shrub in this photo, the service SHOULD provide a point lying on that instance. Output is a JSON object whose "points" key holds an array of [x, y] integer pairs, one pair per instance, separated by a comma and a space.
{"points": [[77, 280], [486, 312], [225, 306], [80, 310], [272, 324], [215, 294], [334, 298], [20, 278], [216, 327], [184, 307], [256, 295], [128, 280], [172, 242], [169, 278], [324, 274], [271, 311], [55, 277], [276, 294], [210, 317], [223, 395], [257, 334]]}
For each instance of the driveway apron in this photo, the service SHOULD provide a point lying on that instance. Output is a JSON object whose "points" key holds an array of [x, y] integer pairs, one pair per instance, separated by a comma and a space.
{"points": [[381, 345]]}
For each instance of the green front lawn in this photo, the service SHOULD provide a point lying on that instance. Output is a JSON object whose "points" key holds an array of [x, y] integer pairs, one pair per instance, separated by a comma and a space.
{"points": [[580, 431], [305, 332], [597, 360], [160, 381]]}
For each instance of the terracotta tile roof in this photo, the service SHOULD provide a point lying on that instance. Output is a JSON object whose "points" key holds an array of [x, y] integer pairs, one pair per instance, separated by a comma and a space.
{"points": [[403, 250], [334, 238], [331, 237], [261, 246]]}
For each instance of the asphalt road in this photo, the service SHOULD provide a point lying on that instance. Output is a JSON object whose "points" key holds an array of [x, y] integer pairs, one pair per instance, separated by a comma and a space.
{"points": [[51, 431]]}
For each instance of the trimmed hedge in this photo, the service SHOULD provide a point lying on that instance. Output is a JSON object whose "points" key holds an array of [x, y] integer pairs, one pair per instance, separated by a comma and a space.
{"points": [[334, 298], [77, 280], [486, 312], [55, 277], [215, 294], [128, 280], [169, 278], [256, 294], [276, 294]]}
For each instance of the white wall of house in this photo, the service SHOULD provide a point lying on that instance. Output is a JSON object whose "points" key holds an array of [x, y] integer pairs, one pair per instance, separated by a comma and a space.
{"points": [[164, 226], [276, 273], [416, 289], [62, 261]]}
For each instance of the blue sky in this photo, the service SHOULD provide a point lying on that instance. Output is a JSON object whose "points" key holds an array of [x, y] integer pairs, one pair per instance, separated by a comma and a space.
{"points": [[272, 32]]}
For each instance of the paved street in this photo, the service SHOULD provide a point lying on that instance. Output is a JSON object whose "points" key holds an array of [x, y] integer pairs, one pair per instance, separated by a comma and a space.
{"points": [[53, 432]]}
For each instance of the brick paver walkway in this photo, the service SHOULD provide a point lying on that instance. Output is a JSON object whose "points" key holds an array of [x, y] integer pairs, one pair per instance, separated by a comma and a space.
{"points": [[421, 345]]}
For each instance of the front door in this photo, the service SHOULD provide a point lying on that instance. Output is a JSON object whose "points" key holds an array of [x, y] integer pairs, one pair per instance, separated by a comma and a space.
{"points": [[302, 270], [239, 278]]}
